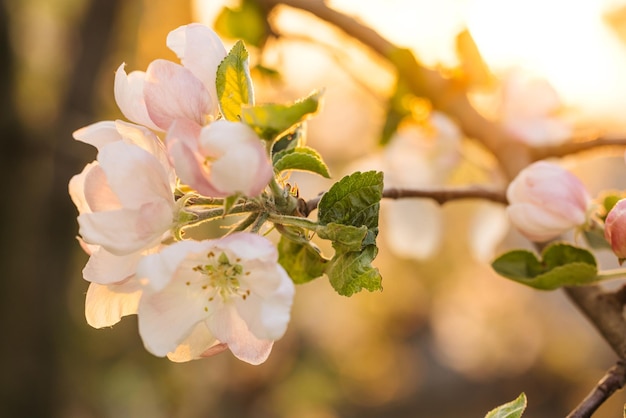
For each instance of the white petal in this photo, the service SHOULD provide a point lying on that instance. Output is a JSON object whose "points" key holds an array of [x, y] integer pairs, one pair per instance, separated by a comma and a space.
{"points": [[77, 189], [106, 268], [98, 134], [229, 328], [166, 318], [200, 343], [159, 268], [201, 51], [135, 175], [105, 305], [129, 96], [125, 231], [97, 191]]}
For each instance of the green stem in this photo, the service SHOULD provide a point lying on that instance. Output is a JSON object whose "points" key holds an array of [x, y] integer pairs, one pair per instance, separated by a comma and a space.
{"points": [[277, 191], [210, 214], [293, 221], [612, 274]]}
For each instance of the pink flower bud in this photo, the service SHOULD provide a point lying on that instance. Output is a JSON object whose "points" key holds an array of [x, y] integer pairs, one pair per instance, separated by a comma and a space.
{"points": [[545, 201], [615, 229]]}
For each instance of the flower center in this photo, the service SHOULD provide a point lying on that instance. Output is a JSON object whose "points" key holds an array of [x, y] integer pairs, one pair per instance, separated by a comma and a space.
{"points": [[221, 277]]}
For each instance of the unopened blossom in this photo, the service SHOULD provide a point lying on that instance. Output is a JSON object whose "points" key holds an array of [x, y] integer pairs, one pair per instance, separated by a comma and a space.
{"points": [[201, 297], [546, 200], [168, 91], [126, 207], [615, 229], [221, 159]]}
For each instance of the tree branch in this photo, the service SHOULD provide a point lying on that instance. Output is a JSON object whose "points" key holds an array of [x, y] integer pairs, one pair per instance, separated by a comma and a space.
{"points": [[613, 380], [440, 196], [540, 153]]}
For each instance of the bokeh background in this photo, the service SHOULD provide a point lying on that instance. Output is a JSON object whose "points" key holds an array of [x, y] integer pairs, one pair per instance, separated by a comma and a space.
{"points": [[446, 337]]}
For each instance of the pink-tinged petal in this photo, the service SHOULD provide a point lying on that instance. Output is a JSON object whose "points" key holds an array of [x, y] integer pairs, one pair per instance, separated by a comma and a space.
{"points": [[97, 191], [267, 309], [249, 246], [615, 229], [201, 51], [135, 175], [129, 96], [98, 134], [120, 232], [182, 146], [77, 188], [105, 305], [200, 343], [172, 92], [166, 318], [106, 268], [159, 268], [537, 224], [241, 165], [229, 328]]}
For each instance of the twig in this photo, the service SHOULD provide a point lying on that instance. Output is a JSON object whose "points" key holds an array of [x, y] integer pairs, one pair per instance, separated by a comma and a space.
{"points": [[440, 196], [613, 380], [540, 153]]}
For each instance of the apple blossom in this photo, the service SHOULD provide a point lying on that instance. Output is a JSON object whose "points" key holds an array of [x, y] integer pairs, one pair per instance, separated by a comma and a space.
{"points": [[200, 297], [546, 200], [615, 229], [126, 206], [168, 91], [125, 198], [221, 159]]}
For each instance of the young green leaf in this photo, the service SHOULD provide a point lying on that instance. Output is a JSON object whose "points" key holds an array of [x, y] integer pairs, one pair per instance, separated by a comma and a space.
{"points": [[302, 159], [561, 265], [513, 409], [234, 84], [353, 200], [271, 120], [345, 238], [351, 272], [302, 261]]}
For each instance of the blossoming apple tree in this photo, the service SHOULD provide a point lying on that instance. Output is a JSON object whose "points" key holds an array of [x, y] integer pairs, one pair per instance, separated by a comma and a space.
{"points": [[196, 147]]}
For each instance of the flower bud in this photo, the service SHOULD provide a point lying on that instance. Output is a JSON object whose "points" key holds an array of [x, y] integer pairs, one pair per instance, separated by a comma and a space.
{"points": [[615, 229], [545, 201]]}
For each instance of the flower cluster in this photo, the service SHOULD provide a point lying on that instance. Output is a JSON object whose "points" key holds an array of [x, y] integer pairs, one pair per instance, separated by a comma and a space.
{"points": [[193, 298]]}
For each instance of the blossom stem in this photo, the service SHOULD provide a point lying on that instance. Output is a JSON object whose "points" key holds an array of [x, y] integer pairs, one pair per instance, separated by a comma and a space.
{"points": [[214, 213], [612, 274], [293, 221]]}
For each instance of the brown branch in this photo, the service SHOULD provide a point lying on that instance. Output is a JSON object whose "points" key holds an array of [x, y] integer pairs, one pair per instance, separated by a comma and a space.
{"points": [[440, 196], [613, 380], [540, 153], [604, 310]]}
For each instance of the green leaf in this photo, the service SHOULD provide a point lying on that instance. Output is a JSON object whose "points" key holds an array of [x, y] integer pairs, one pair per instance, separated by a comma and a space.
{"points": [[302, 159], [246, 22], [234, 84], [302, 261], [513, 409], [595, 238], [351, 272], [271, 120], [354, 200], [561, 265], [229, 202], [345, 238], [293, 139]]}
